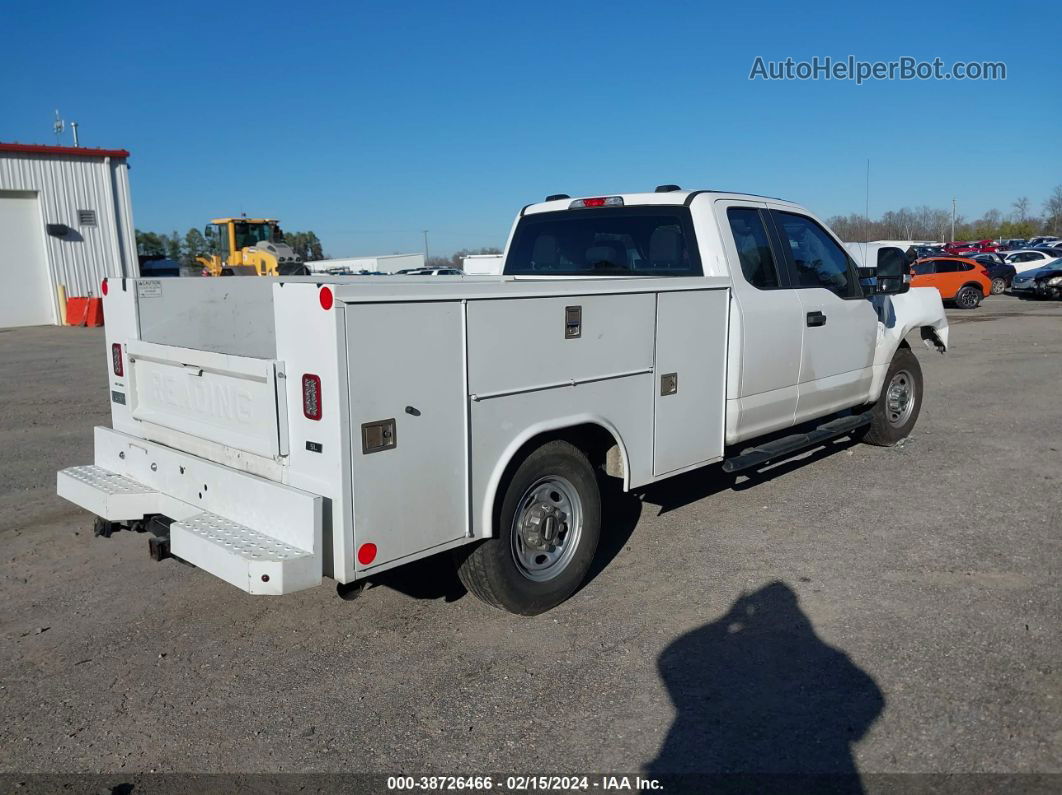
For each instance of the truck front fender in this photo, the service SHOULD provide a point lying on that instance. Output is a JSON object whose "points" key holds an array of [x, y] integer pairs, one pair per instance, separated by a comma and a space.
{"points": [[898, 315]]}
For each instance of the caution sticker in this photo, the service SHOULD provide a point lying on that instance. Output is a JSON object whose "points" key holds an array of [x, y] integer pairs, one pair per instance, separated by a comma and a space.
{"points": [[149, 288]]}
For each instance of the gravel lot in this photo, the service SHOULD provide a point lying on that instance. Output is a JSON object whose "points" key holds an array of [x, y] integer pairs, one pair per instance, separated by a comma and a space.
{"points": [[859, 609]]}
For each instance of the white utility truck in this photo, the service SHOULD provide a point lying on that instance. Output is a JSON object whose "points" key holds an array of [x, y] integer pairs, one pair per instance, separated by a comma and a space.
{"points": [[276, 431]]}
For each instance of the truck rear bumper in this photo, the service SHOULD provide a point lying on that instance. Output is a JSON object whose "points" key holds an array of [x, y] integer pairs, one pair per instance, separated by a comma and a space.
{"points": [[261, 536]]}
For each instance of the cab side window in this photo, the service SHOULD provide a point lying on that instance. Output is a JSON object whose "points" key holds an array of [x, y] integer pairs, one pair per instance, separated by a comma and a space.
{"points": [[815, 259], [753, 247]]}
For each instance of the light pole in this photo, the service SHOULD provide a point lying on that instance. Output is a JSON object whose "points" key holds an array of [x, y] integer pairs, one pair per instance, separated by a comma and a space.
{"points": [[425, 246], [952, 219]]}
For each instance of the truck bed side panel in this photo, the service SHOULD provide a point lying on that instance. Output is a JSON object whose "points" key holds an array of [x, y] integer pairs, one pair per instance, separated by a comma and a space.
{"points": [[690, 394], [406, 367], [520, 344], [501, 425]]}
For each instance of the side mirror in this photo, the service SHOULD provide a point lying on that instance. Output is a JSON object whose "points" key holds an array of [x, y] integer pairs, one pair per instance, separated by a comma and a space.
{"points": [[893, 276]]}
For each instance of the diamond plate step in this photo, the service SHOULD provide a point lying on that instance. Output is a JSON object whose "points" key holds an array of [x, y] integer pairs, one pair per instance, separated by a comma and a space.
{"points": [[105, 493], [240, 555]]}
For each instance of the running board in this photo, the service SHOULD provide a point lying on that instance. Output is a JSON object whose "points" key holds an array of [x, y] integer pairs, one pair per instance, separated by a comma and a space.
{"points": [[787, 445]]}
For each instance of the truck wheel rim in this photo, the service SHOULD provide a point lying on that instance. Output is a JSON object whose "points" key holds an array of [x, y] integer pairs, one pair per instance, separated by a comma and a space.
{"points": [[900, 398], [547, 528]]}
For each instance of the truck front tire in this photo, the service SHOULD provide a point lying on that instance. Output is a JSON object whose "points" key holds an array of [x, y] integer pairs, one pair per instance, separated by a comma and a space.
{"points": [[896, 412], [547, 527]]}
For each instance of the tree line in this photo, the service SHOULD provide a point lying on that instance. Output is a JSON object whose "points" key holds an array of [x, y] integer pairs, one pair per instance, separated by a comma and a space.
{"points": [[929, 223], [194, 243]]}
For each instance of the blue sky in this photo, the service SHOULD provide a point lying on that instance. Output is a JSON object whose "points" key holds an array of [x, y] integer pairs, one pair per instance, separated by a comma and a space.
{"points": [[368, 122]]}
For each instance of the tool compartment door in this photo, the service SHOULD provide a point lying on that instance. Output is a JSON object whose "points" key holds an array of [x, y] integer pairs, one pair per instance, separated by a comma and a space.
{"points": [[408, 409], [690, 378]]}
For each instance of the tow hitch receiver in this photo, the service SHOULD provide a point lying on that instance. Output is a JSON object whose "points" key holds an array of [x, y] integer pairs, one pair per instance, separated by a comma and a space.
{"points": [[159, 540]]}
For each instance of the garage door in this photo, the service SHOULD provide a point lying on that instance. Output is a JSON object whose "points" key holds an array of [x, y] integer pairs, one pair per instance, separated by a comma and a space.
{"points": [[25, 289]]}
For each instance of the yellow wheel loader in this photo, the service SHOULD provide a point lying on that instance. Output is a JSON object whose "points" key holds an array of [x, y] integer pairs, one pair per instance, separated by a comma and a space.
{"points": [[250, 247]]}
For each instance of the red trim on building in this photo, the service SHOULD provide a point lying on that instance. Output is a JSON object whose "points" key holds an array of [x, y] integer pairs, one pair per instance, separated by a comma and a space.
{"points": [[78, 151]]}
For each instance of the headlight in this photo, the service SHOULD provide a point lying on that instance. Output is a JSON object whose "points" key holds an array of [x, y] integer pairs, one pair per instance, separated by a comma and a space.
{"points": [[1055, 281]]}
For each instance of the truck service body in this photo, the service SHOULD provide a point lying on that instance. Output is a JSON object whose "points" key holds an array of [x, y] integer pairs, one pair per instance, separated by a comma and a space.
{"points": [[283, 430]]}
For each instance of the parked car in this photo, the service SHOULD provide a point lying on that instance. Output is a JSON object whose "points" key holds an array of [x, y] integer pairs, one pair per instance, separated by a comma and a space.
{"points": [[999, 271], [959, 279], [1029, 259], [155, 267], [1045, 282], [431, 272], [1041, 239], [958, 248], [915, 253], [1015, 243]]}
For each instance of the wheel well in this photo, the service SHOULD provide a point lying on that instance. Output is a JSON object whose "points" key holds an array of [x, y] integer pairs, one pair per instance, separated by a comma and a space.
{"points": [[596, 442]]}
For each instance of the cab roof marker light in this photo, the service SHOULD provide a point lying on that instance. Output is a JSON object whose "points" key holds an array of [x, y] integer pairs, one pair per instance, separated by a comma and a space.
{"points": [[602, 201]]}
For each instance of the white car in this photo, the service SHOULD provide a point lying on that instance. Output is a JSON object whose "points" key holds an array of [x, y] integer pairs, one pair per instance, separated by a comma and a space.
{"points": [[1028, 259]]}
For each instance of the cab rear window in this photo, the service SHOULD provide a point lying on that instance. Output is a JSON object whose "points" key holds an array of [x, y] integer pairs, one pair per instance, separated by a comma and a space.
{"points": [[613, 241]]}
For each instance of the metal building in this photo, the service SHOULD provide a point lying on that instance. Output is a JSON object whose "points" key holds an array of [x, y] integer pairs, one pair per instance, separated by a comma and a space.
{"points": [[66, 219]]}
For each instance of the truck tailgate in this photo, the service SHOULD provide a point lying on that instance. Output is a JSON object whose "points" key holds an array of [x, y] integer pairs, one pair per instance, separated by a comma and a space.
{"points": [[230, 400]]}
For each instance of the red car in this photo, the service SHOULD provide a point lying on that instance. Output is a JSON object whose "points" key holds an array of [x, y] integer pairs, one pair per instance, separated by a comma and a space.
{"points": [[958, 248]]}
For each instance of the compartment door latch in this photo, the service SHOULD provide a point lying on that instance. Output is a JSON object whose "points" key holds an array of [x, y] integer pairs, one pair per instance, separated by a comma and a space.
{"points": [[573, 322], [668, 384], [378, 436]]}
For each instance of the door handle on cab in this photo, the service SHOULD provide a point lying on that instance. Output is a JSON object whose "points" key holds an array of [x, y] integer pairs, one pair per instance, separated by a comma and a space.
{"points": [[816, 319]]}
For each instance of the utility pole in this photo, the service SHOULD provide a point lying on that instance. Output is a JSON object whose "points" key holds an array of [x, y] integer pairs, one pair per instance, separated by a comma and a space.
{"points": [[425, 246], [866, 214], [952, 219]]}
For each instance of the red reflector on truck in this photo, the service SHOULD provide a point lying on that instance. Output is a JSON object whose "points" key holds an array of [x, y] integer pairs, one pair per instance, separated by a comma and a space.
{"points": [[366, 554], [311, 397], [116, 358], [326, 298], [103, 287]]}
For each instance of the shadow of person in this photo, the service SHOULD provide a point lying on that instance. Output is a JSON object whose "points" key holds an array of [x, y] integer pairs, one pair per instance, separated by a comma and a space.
{"points": [[757, 695]]}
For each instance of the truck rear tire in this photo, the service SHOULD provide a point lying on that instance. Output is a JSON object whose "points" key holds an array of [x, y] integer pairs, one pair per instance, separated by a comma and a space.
{"points": [[548, 525], [896, 412]]}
